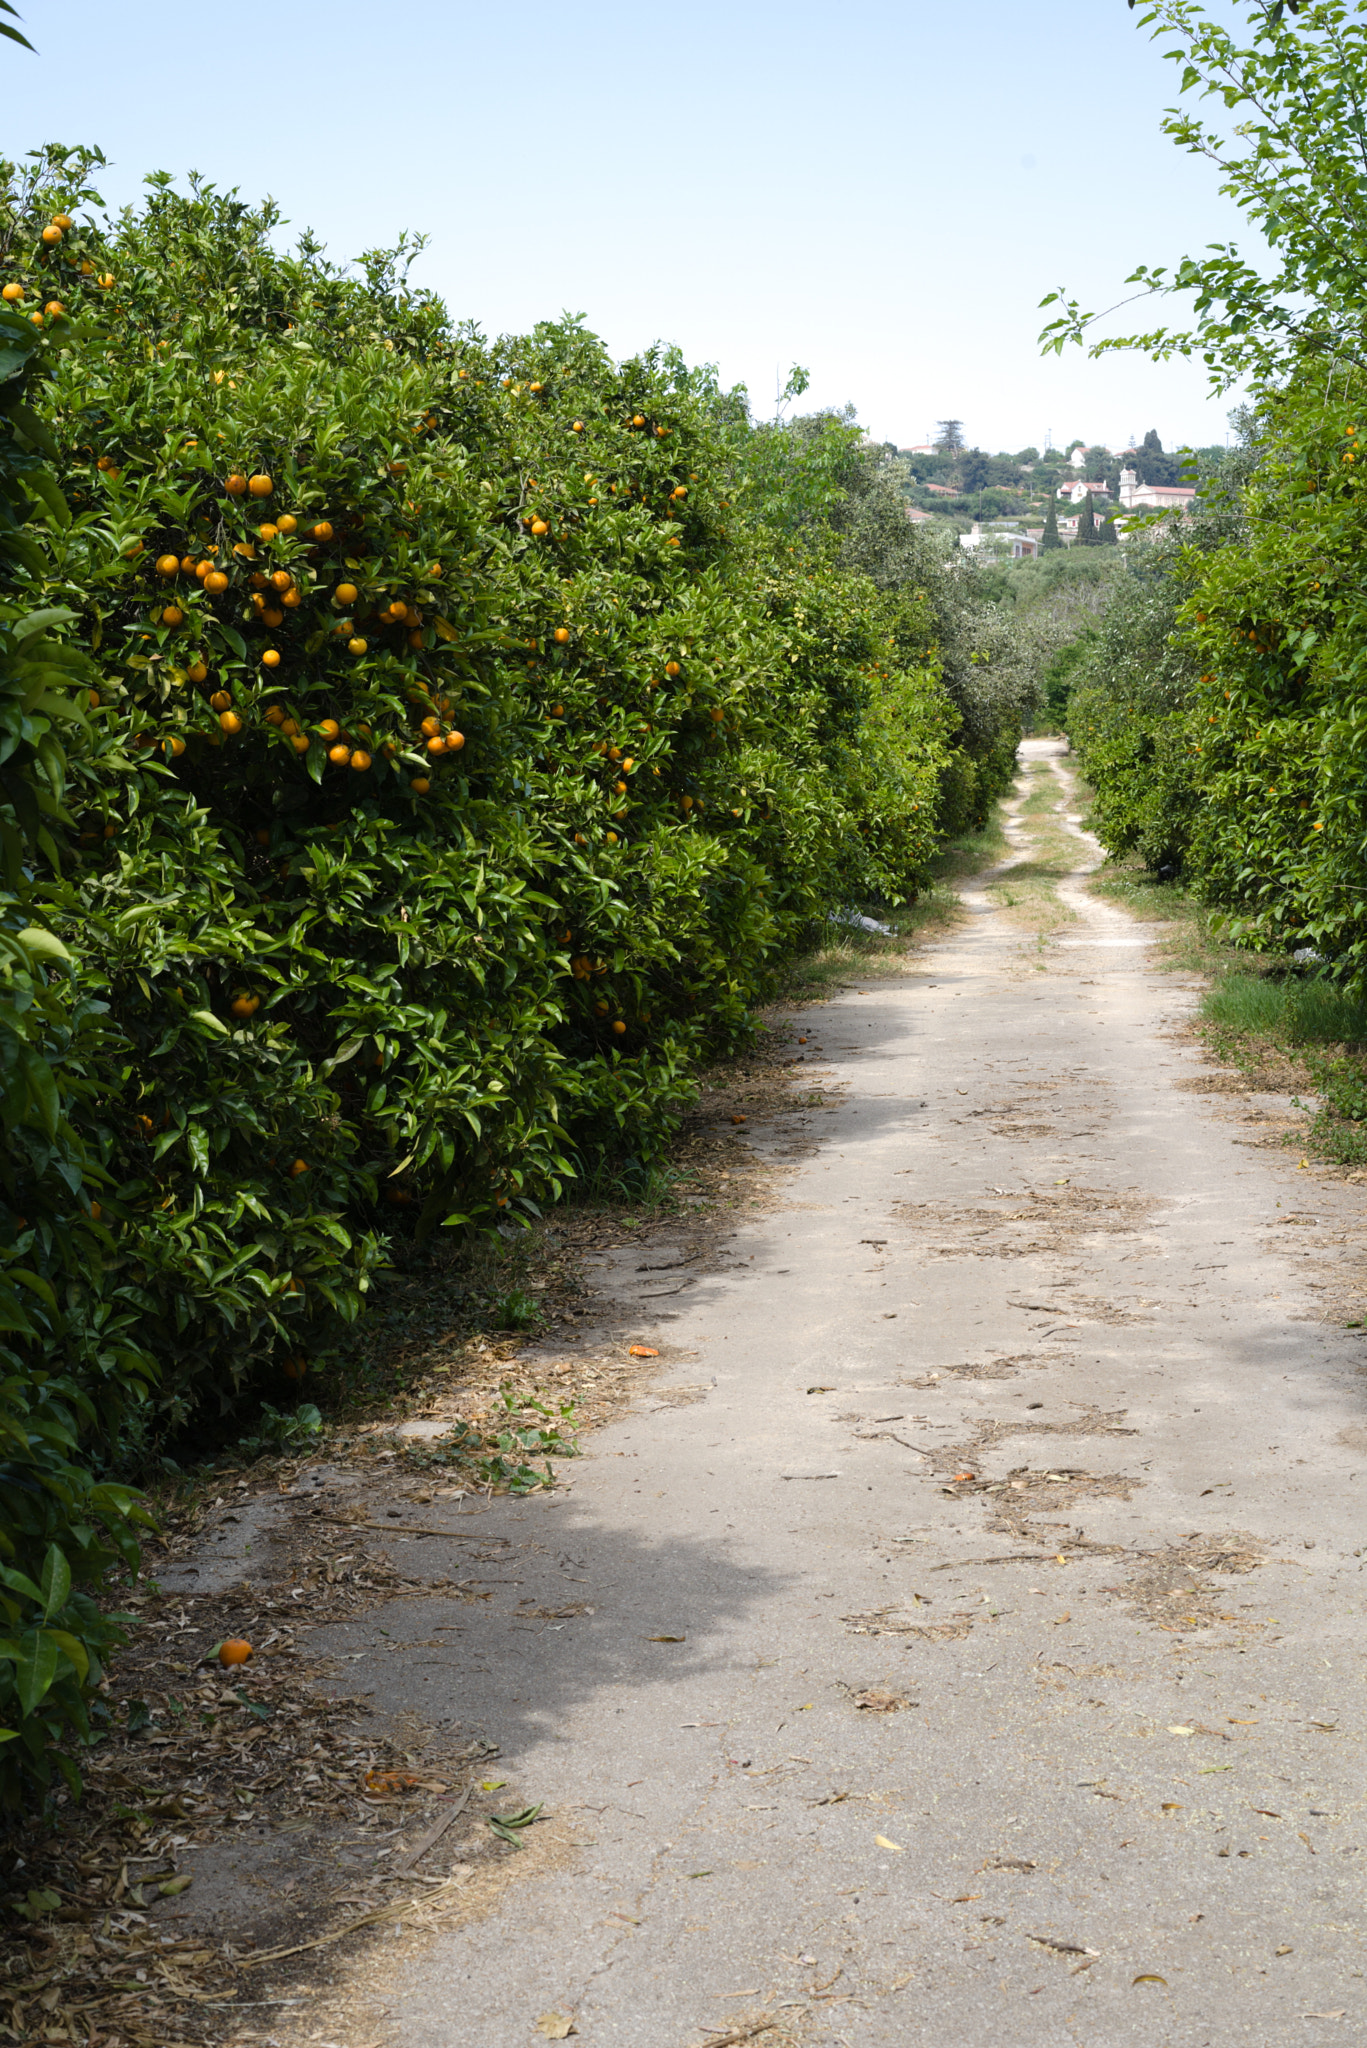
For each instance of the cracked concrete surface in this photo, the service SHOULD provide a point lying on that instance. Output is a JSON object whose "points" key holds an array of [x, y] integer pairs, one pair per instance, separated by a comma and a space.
{"points": [[975, 1651]]}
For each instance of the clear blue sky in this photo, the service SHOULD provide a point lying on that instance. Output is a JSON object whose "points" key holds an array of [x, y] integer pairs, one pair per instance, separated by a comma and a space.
{"points": [[882, 191]]}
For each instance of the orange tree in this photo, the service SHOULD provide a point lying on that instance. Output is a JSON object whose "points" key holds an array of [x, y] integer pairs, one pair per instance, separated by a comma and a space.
{"points": [[460, 759], [71, 1368], [458, 755]]}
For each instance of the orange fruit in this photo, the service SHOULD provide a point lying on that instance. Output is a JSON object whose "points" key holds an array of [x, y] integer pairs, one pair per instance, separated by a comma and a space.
{"points": [[557, 711], [177, 746], [52, 235], [36, 318], [430, 726], [172, 615], [619, 1027], [357, 646], [95, 1212], [611, 838], [329, 728], [230, 721], [420, 782], [235, 485], [271, 658], [63, 221], [235, 1651], [281, 578], [13, 293], [322, 531], [191, 567], [93, 697], [242, 1006], [55, 310], [288, 522], [299, 1166], [539, 526], [671, 668], [340, 754], [294, 1368], [415, 639], [215, 581], [436, 745], [270, 616], [562, 634], [260, 485], [220, 701], [674, 541], [638, 421], [300, 743], [360, 760], [345, 593], [168, 565], [107, 279], [274, 714], [454, 742], [578, 427]]}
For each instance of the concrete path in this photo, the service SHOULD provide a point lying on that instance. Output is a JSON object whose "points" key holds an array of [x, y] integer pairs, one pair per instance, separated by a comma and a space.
{"points": [[980, 1659]]}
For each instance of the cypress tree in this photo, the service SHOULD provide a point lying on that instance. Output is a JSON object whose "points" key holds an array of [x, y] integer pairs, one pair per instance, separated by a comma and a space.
{"points": [[1107, 535], [1050, 538], [1086, 525]]}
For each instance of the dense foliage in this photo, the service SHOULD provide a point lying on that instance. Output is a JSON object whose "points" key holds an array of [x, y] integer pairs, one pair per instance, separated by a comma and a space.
{"points": [[70, 1370], [458, 733], [1220, 713], [1222, 716]]}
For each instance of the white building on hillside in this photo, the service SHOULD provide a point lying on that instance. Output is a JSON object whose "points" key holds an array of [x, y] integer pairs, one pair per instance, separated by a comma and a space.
{"points": [[1137, 497], [1076, 491]]}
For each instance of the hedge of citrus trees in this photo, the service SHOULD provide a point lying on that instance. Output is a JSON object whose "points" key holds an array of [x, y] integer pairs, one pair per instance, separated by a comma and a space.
{"points": [[1222, 719], [417, 752]]}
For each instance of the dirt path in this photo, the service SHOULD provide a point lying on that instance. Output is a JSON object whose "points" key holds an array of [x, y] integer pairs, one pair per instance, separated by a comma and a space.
{"points": [[970, 1649]]}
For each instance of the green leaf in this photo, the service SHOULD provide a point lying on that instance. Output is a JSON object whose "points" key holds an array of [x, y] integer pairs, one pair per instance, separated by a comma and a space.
{"points": [[56, 1582], [43, 945], [45, 487], [36, 1669]]}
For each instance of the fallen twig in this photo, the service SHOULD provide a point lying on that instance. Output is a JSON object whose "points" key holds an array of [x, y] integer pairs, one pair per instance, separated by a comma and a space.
{"points": [[434, 1833], [399, 1910]]}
